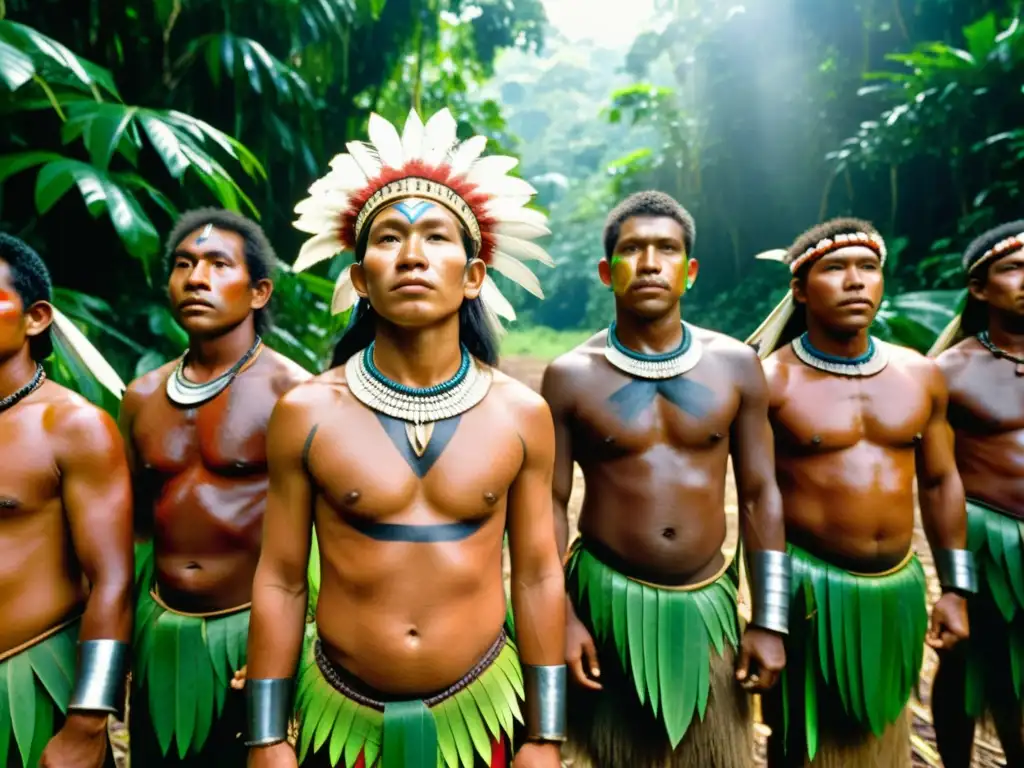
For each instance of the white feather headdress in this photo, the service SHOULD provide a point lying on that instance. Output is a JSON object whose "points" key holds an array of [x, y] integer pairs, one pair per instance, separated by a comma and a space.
{"points": [[427, 162]]}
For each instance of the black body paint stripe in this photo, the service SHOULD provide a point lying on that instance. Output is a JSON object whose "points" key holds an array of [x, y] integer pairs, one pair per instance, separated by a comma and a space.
{"points": [[635, 397], [443, 433], [307, 446], [418, 534]]}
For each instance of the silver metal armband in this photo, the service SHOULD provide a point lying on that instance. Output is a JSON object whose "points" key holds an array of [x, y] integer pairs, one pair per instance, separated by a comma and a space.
{"points": [[769, 585], [955, 568], [545, 702], [101, 669], [268, 703]]}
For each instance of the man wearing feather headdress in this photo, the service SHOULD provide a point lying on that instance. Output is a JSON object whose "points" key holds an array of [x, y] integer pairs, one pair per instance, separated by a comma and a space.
{"points": [[413, 455], [652, 409], [855, 421], [981, 355], [65, 537], [196, 430]]}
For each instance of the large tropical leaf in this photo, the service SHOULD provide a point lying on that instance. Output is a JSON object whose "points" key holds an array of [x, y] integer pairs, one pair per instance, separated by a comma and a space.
{"points": [[239, 57], [42, 49], [916, 319], [102, 193], [16, 67]]}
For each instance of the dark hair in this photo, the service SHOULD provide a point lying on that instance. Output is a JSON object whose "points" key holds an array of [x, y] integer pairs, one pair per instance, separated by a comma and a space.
{"points": [[648, 203], [827, 229], [474, 329], [974, 317], [31, 281], [260, 259], [985, 241]]}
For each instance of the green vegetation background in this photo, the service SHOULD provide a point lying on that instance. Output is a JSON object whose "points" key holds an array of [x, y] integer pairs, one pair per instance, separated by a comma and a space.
{"points": [[761, 117]]}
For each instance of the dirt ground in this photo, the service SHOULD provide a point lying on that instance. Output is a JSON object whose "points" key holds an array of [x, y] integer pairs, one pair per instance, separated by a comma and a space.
{"points": [[987, 753]]}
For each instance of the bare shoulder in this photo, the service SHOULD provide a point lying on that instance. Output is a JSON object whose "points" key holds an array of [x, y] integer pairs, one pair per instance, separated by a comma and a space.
{"points": [[78, 426], [565, 372], [957, 359], [148, 384], [284, 372], [516, 396], [740, 358], [312, 394], [920, 367]]}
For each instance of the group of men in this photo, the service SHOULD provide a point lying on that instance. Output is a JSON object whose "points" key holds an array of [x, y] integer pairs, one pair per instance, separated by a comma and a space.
{"points": [[318, 559]]}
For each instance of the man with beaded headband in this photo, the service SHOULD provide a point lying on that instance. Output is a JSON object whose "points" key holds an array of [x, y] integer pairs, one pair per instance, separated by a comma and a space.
{"points": [[65, 537], [652, 409], [413, 456], [855, 420], [981, 355], [196, 432]]}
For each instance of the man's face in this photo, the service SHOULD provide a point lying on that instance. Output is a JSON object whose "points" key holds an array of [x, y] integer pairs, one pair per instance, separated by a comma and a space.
{"points": [[649, 268], [18, 323], [414, 271], [210, 288], [1003, 288], [843, 289]]}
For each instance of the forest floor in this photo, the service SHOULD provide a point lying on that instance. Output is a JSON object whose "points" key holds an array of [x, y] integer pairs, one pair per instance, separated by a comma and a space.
{"points": [[986, 754]]}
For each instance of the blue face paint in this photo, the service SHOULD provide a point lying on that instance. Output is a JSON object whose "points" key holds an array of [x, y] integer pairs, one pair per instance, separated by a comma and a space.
{"points": [[205, 235], [413, 208]]}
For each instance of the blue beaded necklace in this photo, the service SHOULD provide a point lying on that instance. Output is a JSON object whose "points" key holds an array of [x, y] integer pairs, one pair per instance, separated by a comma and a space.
{"points": [[663, 365], [868, 364], [431, 391]]}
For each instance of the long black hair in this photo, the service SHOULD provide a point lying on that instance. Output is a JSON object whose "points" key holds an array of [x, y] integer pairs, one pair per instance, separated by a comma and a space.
{"points": [[474, 329]]}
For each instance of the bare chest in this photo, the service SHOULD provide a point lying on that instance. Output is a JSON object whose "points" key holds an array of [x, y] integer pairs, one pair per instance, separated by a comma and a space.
{"points": [[622, 416], [835, 413], [226, 435], [988, 399], [366, 468], [29, 478]]}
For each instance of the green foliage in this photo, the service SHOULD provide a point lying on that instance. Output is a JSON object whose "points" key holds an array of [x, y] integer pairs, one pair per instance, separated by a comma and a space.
{"points": [[217, 102]]}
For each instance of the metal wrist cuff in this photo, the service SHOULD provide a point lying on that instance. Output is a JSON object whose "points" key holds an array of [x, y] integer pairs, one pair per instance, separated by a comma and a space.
{"points": [[955, 568], [268, 705], [101, 670], [545, 702], [769, 585]]}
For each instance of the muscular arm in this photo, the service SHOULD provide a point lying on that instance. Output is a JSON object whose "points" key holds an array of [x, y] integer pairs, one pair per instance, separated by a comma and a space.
{"points": [[280, 588], [753, 456], [554, 392], [142, 518], [940, 491], [538, 587], [97, 497]]}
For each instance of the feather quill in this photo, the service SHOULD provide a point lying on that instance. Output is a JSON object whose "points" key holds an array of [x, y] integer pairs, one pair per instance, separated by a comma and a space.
{"points": [[318, 248], [77, 344]]}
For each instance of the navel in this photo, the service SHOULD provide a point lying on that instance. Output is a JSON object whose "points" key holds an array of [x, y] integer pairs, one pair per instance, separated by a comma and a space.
{"points": [[669, 533], [194, 566]]}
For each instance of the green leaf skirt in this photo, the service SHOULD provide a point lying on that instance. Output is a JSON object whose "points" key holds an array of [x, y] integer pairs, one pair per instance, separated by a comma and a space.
{"points": [[663, 635], [860, 639], [183, 663], [459, 728], [35, 685], [996, 613]]}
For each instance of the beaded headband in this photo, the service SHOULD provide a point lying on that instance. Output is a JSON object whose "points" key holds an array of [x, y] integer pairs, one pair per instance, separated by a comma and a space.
{"points": [[1000, 249], [828, 245], [425, 162]]}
